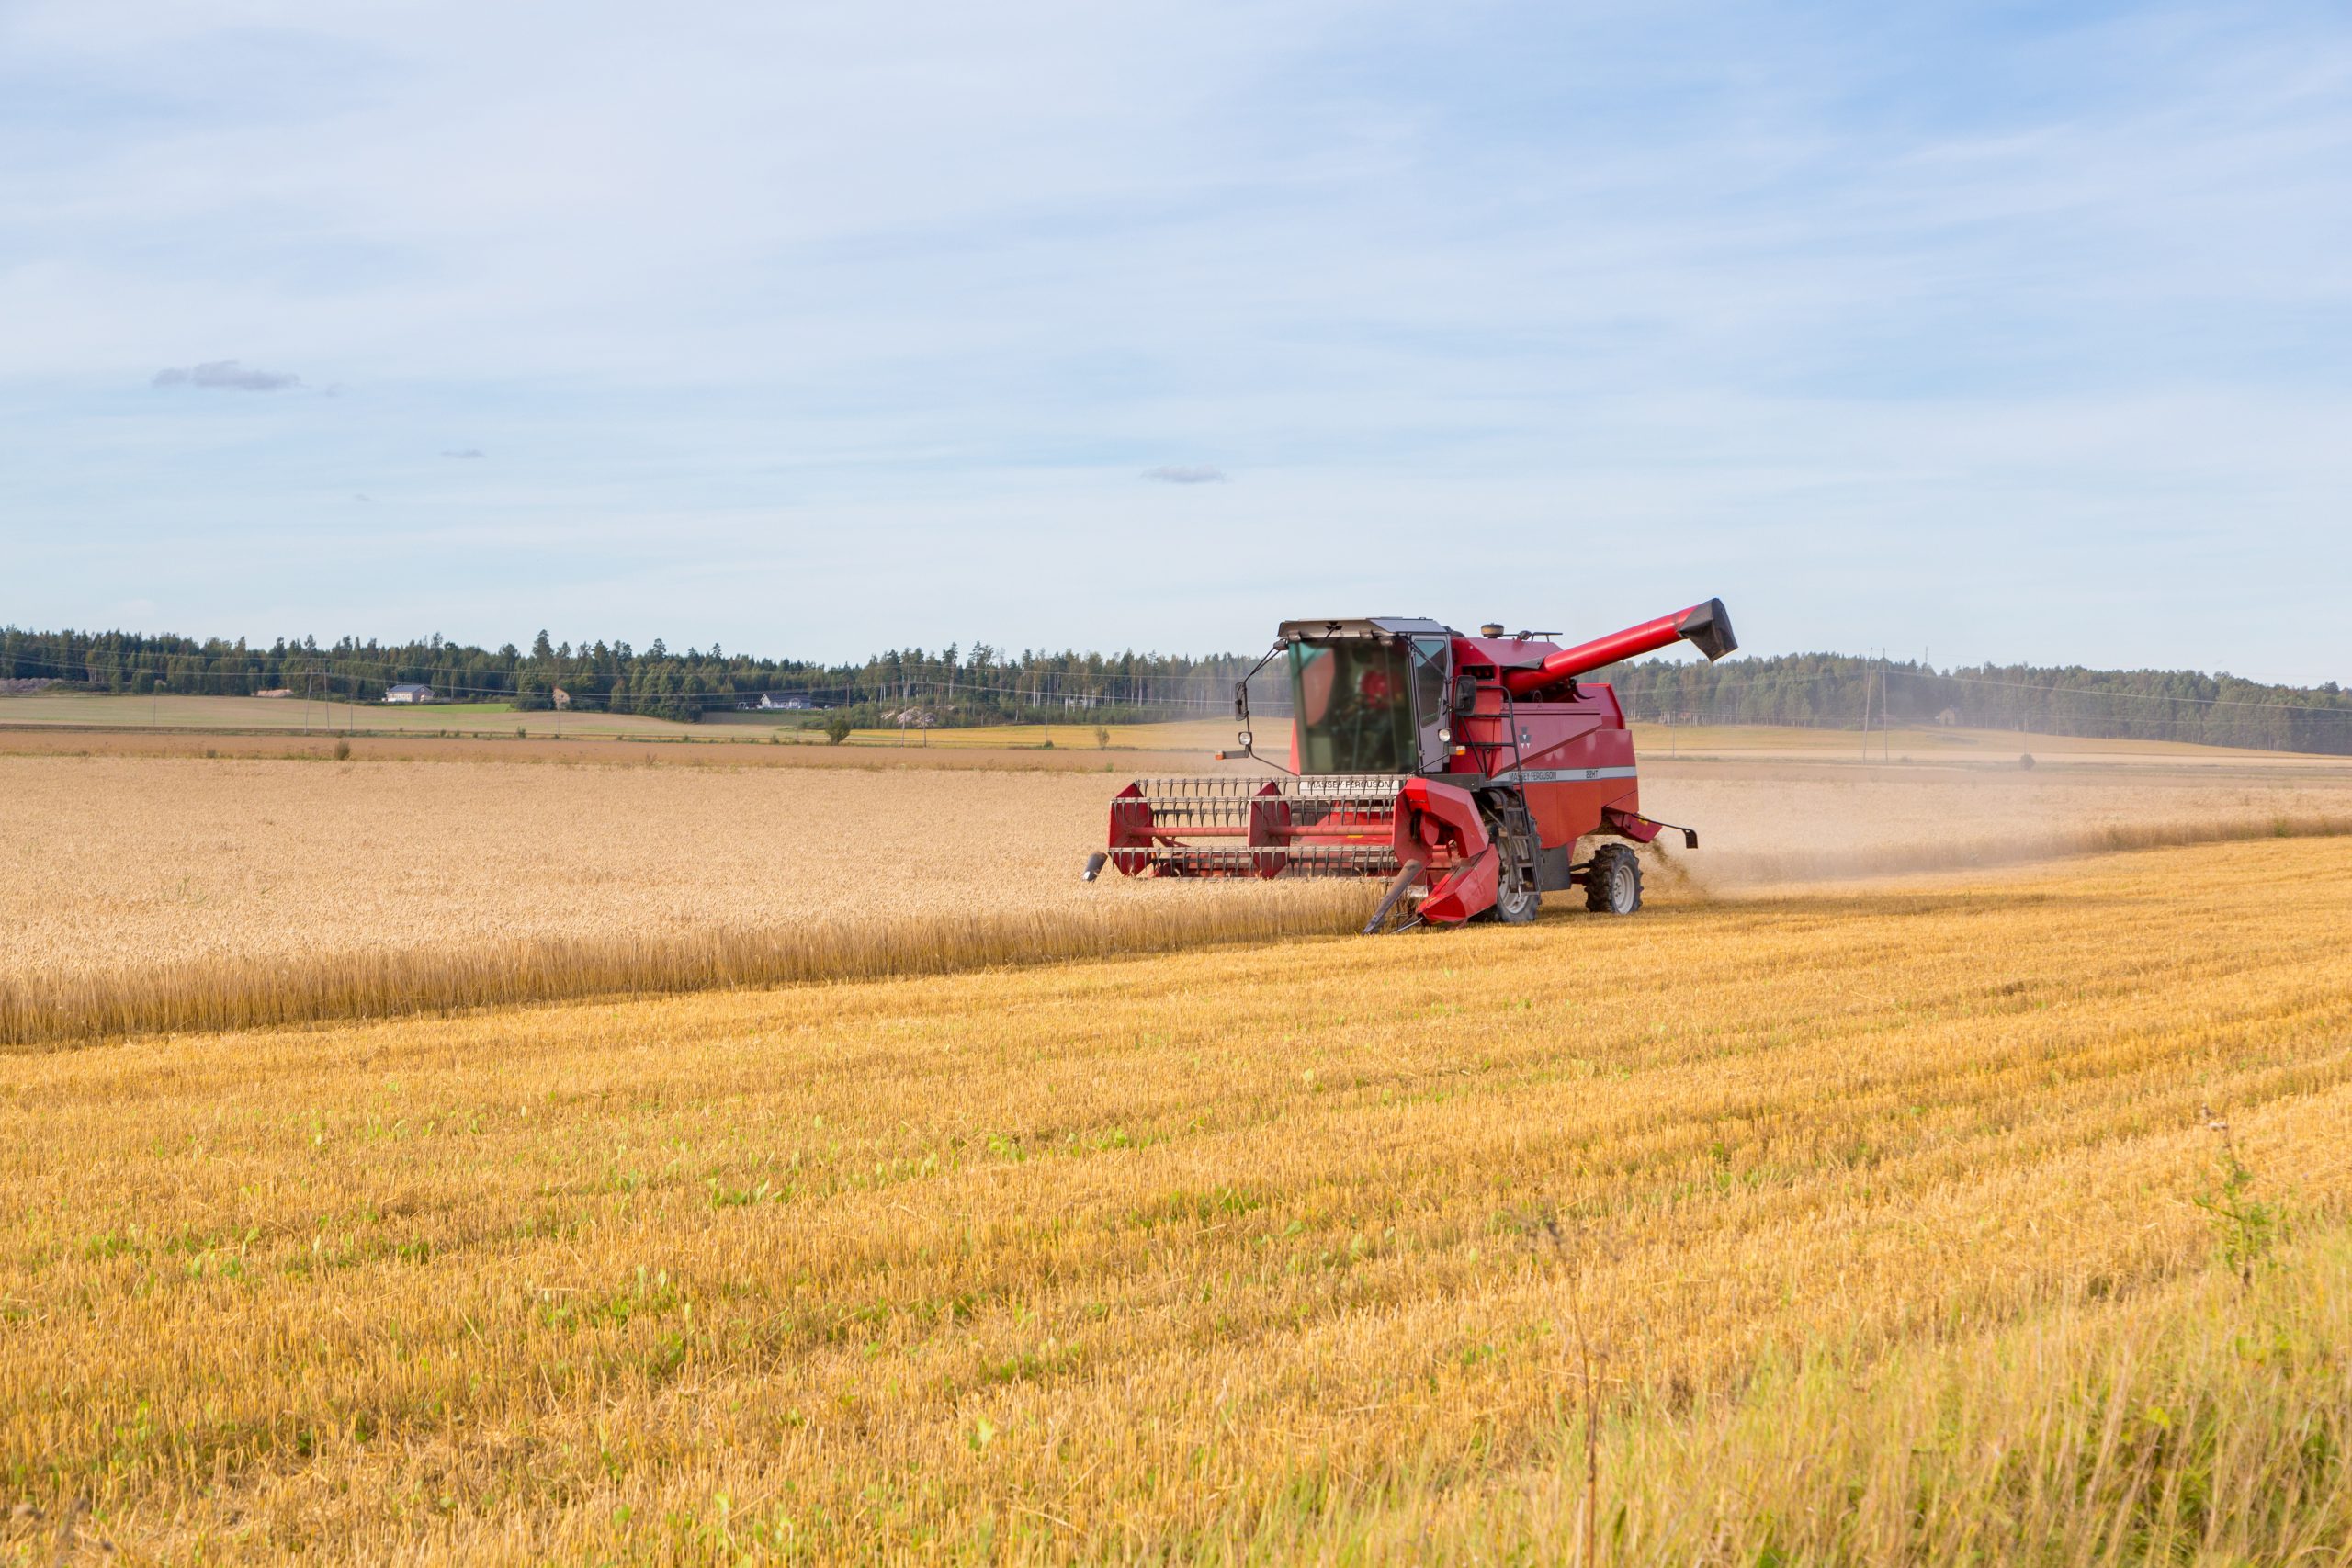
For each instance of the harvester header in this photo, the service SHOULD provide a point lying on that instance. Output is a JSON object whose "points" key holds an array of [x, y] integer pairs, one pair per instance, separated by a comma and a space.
{"points": [[1474, 772]]}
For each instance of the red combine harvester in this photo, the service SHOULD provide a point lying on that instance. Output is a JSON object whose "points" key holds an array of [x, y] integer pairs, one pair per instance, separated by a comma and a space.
{"points": [[1466, 770]]}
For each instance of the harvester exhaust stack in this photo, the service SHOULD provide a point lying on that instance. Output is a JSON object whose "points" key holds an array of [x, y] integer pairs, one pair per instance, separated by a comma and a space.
{"points": [[1468, 773]]}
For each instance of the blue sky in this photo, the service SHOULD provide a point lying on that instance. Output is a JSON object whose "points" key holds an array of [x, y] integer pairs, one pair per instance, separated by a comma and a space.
{"points": [[1993, 332]]}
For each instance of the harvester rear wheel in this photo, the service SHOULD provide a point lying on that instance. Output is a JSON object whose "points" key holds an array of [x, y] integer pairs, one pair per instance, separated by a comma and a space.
{"points": [[1613, 881]]}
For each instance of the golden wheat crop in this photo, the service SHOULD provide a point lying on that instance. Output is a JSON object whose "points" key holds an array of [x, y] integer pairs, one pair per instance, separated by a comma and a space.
{"points": [[154, 892], [114, 864], [222, 993], [1239, 1253]]}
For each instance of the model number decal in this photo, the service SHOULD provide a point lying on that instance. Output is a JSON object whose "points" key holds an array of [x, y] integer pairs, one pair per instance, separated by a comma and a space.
{"points": [[1567, 775]]}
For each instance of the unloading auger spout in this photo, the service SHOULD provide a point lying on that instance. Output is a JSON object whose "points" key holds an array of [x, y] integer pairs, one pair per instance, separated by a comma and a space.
{"points": [[1706, 627]]}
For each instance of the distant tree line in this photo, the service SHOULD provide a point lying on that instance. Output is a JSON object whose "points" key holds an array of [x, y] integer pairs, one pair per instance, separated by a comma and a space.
{"points": [[949, 686], [1841, 692], [989, 686]]}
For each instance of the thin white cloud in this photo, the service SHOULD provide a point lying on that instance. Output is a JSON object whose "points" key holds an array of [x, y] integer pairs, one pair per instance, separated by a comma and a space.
{"points": [[1186, 474], [464, 452], [227, 374]]}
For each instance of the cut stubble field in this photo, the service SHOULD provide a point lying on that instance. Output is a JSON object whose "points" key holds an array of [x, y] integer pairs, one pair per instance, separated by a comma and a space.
{"points": [[1851, 1220], [1876, 1210]]}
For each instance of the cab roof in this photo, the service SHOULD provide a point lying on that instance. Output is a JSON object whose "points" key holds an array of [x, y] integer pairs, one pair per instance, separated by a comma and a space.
{"points": [[1363, 626], [1505, 652]]}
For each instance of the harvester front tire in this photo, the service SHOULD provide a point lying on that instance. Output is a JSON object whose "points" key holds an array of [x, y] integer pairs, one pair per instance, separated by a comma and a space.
{"points": [[1517, 899], [1613, 881], [1517, 902]]}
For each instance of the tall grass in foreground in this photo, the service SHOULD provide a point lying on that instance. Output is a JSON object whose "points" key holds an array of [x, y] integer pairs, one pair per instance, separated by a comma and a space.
{"points": [[2202, 1422], [2024, 847], [247, 992]]}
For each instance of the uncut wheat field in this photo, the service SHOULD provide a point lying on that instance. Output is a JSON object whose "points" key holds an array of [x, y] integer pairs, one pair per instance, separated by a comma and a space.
{"points": [[1996, 1220], [141, 892]]}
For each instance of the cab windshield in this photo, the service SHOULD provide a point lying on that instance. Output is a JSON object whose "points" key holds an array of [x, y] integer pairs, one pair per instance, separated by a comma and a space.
{"points": [[1355, 703]]}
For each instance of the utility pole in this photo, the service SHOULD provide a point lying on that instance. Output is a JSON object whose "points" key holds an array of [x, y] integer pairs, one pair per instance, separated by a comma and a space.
{"points": [[1866, 713], [1885, 717]]}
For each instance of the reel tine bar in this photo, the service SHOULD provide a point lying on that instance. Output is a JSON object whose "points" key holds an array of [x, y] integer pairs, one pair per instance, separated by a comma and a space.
{"points": [[1341, 824]]}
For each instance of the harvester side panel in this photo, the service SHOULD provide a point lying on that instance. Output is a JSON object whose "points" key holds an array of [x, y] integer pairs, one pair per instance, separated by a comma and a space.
{"points": [[1570, 786], [1572, 761]]}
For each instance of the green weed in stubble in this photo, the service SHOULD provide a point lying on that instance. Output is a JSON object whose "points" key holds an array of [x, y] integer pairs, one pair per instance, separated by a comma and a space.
{"points": [[2245, 1227]]}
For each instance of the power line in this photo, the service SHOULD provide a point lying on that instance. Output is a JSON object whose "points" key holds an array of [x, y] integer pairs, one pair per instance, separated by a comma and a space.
{"points": [[1859, 677], [996, 680], [2142, 696], [1006, 686]]}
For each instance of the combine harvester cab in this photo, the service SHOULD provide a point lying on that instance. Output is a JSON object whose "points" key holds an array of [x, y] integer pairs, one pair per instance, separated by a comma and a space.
{"points": [[1465, 771]]}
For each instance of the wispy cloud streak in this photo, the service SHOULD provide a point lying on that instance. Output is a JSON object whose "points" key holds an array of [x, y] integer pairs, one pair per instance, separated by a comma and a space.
{"points": [[229, 375]]}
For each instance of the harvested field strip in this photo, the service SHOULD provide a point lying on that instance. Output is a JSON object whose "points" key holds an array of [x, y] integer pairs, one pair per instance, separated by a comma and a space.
{"points": [[1831, 863], [246, 993], [724, 751], [1236, 1252]]}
